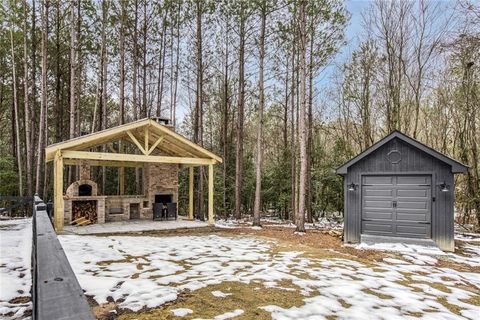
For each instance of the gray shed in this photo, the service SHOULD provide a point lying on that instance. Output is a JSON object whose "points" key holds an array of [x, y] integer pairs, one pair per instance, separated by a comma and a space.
{"points": [[400, 190]]}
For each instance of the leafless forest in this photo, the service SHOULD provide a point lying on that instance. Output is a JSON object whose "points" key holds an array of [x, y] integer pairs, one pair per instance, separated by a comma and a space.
{"points": [[279, 89]]}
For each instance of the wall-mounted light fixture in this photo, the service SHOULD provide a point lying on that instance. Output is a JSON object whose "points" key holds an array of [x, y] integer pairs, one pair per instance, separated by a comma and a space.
{"points": [[444, 187], [351, 187]]}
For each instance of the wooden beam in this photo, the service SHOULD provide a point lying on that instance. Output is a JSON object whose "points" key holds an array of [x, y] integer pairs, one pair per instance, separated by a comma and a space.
{"points": [[58, 191], [159, 140], [132, 137], [146, 131], [94, 138], [134, 158], [190, 192], [210, 194], [103, 163]]}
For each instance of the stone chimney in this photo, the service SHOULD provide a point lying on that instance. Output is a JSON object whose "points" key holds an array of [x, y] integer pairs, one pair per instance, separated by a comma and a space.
{"points": [[84, 170]]}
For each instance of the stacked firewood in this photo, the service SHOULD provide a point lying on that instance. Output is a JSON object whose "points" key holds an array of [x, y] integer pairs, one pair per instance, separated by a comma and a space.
{"points": [[84, 209]]}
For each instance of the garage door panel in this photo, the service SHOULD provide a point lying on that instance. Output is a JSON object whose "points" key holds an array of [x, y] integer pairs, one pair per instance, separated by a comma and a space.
{"points": [[415, 193], [380, 215], [413, 231], [370, 192], [377, 228], [378, 180], [411, 214], [413, 180], [367, 204], [416, 205]]}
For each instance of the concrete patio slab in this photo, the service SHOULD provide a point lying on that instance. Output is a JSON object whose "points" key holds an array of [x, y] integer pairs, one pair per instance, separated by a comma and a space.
{"points": [[135, 226]]}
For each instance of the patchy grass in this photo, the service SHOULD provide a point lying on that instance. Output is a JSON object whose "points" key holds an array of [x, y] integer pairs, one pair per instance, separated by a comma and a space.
{"points": [[451, 307], [378, 294], [247, 297]]}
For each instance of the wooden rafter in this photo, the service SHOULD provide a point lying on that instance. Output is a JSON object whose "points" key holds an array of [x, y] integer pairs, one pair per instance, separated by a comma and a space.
{"points": [[159, 140], [134, 139]]}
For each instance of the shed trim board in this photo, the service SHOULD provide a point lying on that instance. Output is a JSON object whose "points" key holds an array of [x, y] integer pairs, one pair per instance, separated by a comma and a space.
{"points": [[431, 208], [457, 167]]}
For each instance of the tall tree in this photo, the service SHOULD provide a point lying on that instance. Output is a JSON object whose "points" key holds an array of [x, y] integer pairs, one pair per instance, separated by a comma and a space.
{"points": [[16, 114], [242, 17], [28, 121], [198, 114], [261, 106], [302, 121], [43, 104], [103, 57]]}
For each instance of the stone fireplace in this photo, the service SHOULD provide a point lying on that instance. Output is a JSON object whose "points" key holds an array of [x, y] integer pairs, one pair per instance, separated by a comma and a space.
{"points": [[160, 186], [81, 199]]}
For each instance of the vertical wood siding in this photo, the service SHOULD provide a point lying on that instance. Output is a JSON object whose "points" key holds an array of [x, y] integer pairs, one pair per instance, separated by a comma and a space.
{"points": [[413, 160]]}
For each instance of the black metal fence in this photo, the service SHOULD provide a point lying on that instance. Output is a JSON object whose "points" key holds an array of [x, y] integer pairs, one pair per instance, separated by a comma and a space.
{"points": [[56, 293], [15, 206]]}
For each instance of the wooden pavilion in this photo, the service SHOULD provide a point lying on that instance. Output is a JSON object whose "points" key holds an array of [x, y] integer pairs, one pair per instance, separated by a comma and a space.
{"points": [[155, 144]]}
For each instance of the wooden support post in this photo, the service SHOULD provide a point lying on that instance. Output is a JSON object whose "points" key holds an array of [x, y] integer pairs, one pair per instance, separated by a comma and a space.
{"points": [[210, 194], [190, 192], [58, 191], [121, 180], [146, 139]]}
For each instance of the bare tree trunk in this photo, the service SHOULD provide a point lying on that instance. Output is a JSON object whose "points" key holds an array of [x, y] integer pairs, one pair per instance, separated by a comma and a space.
{"points": [[43, 105], [134, 87], [16, 115], [58, 76], [27, 123], [309, 194], [302, 121], [177, 64], [161, 66], [199, 107], [33, 109], [240, 119], [285, 127], [225, 120], [261, 105], [144, 65], [293, 171], [73, 74], [103, 119], [121, 119]]}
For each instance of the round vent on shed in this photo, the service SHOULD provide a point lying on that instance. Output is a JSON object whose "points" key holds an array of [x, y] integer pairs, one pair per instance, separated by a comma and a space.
{"points": [[394, 156]]}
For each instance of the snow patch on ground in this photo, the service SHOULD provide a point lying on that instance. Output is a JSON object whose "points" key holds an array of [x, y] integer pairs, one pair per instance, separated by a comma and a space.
{"points": [[421, 255], [181, 312], [229, 315], [220, 294], [149, 271], [322, 224], [470, 237], [15, 266]]}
